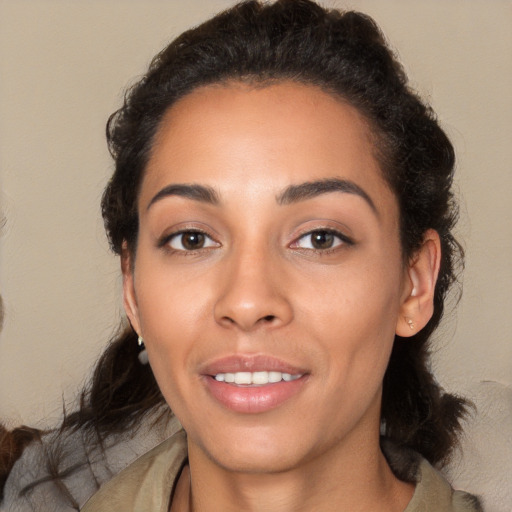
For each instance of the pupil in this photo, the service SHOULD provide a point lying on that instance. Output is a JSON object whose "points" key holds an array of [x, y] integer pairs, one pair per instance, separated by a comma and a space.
{"points": [[322, 240], [193, 240]]}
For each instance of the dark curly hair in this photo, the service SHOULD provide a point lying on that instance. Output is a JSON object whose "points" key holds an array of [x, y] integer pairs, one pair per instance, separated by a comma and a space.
{"points": [[346, 55]]}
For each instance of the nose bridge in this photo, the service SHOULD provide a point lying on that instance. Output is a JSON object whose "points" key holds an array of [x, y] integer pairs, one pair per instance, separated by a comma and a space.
{"points": [[252, 292]]}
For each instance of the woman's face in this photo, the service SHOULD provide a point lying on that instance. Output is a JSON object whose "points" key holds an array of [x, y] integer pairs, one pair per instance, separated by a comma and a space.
{"points": [[268, 255]]}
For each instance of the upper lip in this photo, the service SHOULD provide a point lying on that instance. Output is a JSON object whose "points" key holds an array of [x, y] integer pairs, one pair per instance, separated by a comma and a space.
{"points": [[249, 363]]}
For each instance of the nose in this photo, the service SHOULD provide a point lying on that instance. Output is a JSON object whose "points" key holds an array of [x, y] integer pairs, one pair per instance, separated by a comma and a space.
{"points": [[253, 293]]}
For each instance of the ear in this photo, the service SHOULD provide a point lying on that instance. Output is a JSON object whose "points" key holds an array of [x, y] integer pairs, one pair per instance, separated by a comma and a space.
{"points": [[129, 297], [417, 304]]}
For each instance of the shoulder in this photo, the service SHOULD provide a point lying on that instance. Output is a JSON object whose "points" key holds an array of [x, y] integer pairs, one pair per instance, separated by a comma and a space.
{"points": [[483, 464], [145, 485], [433, 492], [64, 469], [31, 484]]}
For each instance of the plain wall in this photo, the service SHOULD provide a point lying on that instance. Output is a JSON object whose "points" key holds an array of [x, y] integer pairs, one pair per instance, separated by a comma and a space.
{"points": [[63, 66]]}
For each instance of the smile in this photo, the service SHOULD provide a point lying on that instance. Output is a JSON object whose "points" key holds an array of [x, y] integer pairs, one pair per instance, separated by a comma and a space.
{"points": [[253, 383], [256, 378]]}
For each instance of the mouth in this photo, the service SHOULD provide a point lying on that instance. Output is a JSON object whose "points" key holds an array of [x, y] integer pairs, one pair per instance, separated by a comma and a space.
{"points": [[252, 384], [256, 378]]}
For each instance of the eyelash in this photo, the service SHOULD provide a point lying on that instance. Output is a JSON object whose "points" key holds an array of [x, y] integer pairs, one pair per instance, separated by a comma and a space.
{"points": [[165, 242], [342, 239], [339, 239]]}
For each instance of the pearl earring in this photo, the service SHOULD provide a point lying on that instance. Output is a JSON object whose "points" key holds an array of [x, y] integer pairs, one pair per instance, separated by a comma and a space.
{"points": [[143, 354]]}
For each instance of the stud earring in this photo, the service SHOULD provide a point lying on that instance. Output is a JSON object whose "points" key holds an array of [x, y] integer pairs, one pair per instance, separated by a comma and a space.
{"points": [[410, 323], [143, 354]]}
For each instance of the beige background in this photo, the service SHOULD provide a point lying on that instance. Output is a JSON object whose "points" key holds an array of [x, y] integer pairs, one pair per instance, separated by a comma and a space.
{"points": [[63, 65]]}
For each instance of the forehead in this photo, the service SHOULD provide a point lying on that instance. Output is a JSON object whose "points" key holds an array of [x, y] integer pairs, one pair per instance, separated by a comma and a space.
{"points": [[239, 138]]}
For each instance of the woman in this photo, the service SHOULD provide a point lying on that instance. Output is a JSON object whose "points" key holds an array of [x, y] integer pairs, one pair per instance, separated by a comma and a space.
{"points": [[281, 205]]}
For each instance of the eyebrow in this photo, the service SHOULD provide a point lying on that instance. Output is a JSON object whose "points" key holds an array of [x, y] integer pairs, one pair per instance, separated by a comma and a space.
{"points": [[201, 193], [292, 194], [311, 189]]}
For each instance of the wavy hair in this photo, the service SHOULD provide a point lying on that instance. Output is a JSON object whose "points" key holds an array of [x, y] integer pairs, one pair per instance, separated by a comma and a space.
{"points": [[346, 55]]}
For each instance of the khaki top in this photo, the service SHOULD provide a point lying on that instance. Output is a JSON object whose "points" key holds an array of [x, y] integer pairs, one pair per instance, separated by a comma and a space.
{"points": [[147, 484]]}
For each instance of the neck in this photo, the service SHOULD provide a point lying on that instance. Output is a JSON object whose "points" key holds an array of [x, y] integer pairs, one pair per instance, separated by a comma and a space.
{"points": [[342, 479]]}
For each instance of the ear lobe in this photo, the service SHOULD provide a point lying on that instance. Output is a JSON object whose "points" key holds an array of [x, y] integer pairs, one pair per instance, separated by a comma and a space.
{"points": [[129, 297], [418, 303]]}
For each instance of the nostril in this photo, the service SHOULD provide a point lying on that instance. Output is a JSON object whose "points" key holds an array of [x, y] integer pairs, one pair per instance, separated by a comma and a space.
{"points": [[268, 318]]}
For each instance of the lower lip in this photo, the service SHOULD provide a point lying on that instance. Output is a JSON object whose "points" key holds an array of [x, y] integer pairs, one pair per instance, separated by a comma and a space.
{"points": [[253, 399]]}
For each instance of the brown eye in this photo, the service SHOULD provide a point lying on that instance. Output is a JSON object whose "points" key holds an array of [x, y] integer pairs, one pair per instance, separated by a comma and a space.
{"points": [[191, 241], [322, 239]]}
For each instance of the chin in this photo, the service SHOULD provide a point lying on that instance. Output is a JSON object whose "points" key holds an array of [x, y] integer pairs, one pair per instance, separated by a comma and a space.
{"points": [[255, 450], [257, 462]]}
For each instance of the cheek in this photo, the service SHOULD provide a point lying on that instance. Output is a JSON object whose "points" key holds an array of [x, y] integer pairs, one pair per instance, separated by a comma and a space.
{"points": [[352, 299], [169, 299], [356, 334], [352, 312], [172, 312]]}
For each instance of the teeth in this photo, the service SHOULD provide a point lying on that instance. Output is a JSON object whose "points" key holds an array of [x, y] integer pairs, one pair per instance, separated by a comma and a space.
{"points": [[243, 378], [257, 378], [274, 376], [260, 378]]}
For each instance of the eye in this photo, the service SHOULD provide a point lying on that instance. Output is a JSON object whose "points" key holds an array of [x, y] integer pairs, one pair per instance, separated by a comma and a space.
{"points": [[190, 241], [321, 240]]}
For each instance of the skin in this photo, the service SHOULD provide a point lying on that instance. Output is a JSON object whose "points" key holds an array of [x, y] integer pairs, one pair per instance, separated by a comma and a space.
{"points": [[258, 286]]}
